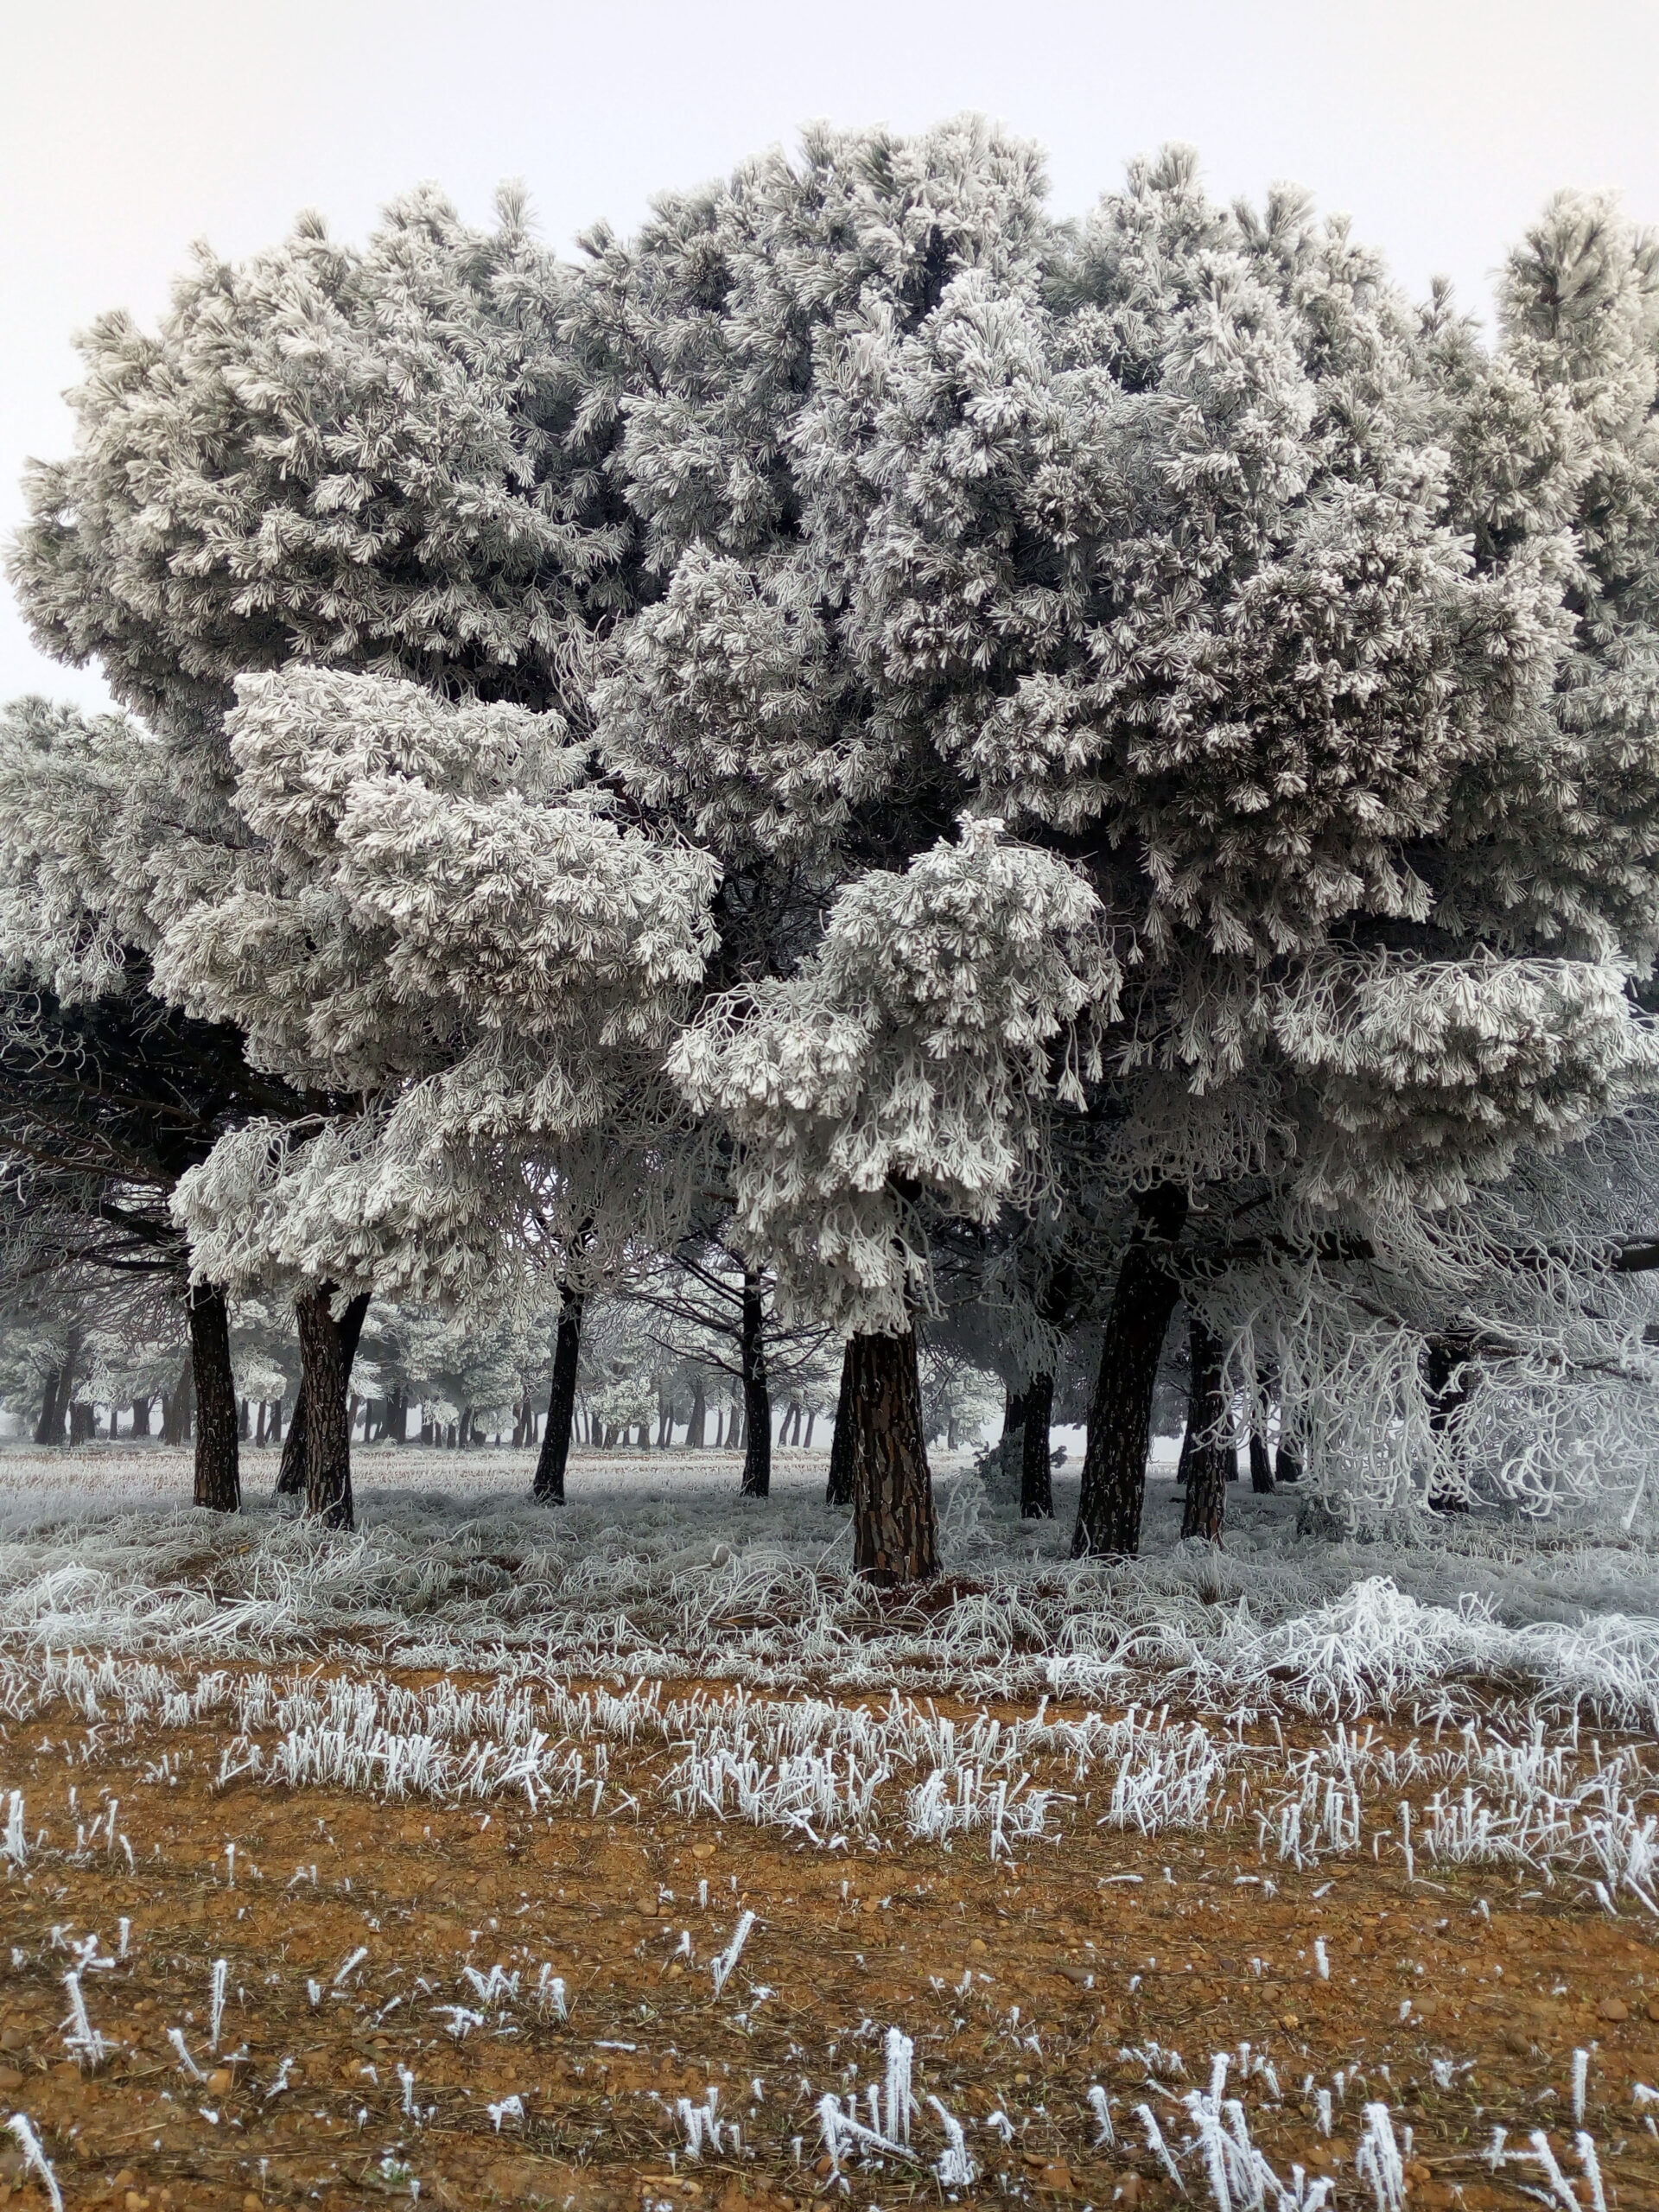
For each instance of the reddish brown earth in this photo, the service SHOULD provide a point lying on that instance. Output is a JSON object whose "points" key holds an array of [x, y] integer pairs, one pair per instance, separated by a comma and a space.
{"points": [[428, 1888]]}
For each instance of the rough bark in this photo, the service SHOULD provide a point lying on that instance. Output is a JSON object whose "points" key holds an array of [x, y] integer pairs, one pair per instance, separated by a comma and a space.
{"points": [[328, 1429], [1036, 1474], [1120, 1416], [895, 1535], [219, 1475], [1208, 1425], [838, 1491], [292, 1475], [757, 1397]]}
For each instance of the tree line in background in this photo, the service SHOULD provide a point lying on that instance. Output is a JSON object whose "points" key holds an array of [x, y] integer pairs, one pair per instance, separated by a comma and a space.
{"points": [[882, 775]]}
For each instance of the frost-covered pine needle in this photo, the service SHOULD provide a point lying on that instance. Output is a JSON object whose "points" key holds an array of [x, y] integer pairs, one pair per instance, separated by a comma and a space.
{"points": [[35, 2159], [721, 1966], [954, 2165]]}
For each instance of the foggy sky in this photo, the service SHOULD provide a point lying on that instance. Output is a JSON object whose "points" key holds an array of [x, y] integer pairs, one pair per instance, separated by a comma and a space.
{"points": [[128, 130]]}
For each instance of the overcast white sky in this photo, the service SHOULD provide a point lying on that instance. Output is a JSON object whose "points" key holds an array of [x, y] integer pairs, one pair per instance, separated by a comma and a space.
{"points": [[128, 130]]}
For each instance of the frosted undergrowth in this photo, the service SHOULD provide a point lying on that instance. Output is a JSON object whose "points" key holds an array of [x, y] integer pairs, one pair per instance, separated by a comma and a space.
{"points": [[658, 1569]]}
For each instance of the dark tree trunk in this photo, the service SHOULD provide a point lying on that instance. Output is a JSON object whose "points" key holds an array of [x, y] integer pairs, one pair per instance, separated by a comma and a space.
{"points": [[219, 1479], [176, 1409], [245, 1420], [48, 1429], [1036, 1476], [735, 1426], [838, 1491], [292, 1475], [895, 1535], [1120, 1417], [757, 1399], [720, 1419], [548, 1485], [1261, 1459], [811, 1419], [140, 1416], [1209, 1424], [1287, 1463], [1183, 1464], [83, 1423], [274, 1427], [259, 1426], [695, 1427], [327, 1428]]}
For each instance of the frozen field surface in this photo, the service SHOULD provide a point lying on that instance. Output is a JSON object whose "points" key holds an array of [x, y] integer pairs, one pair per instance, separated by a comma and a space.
{"points": [[657, 1568], [630, 1858]]}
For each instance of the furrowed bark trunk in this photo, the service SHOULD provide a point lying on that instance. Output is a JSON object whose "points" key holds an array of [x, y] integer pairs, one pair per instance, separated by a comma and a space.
{"points": [[757, 1399], [1207, 1421], [838, 1491], [290, 1476], [695, 1427], [1036, 1476], [218, 1474], [895, 1535], [548, 1489], [328, 1429], [1120, 1417]]}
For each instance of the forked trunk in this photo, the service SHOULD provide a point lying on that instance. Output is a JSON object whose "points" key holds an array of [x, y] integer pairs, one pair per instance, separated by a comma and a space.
{"points": [[838, 1491], [219, 1479], [895, 1535], [1120, 1417], [1208, 1424], [1036, 1474], [328, 1426], [548, 1489], [291, 1475], [757, 1399]]}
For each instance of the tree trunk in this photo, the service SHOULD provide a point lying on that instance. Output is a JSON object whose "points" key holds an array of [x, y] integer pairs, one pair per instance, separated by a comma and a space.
{"points": [[1183, 1464], [734, 1425], [720, 1419], [48, 1429], [1120, 1417], [327, 1431], [1261, 1460], [176, 1413], [1208, 1422], [1036, 1476], [548, 1485], [1288, 1462], [757, 1399], [695, 1427], [83, 1423], [274, 1427], [812, 1418], [245, 1420], [218, 1476], [838, 1491], [292, 1475], [140, 1416], [895, 1535]]}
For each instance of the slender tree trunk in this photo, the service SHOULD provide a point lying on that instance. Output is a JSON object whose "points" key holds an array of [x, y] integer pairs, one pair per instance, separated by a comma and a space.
{"points": [[811, 1419], [735, 1424], [1261, 1459], [175, 1417], [1120, 1417], [757, 1399], [327, 1428], [895, 1534], [1036, 1476], [719, 1423], [259, 1426], [274, 1428], [548, 1485], [1209, 1420], [838, 1491], [140, 1416], [219, 1475], [245, 1420], [48, 1429], [694, 1427], [291, 1475], [1183, 1464]]}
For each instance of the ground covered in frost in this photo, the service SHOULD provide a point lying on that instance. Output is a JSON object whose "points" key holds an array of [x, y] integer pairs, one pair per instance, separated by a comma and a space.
{"points": [[631, 1855]]}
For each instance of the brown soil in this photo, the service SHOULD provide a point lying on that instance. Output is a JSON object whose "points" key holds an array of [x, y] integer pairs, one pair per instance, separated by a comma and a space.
{"points": [[846, 1943]]}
